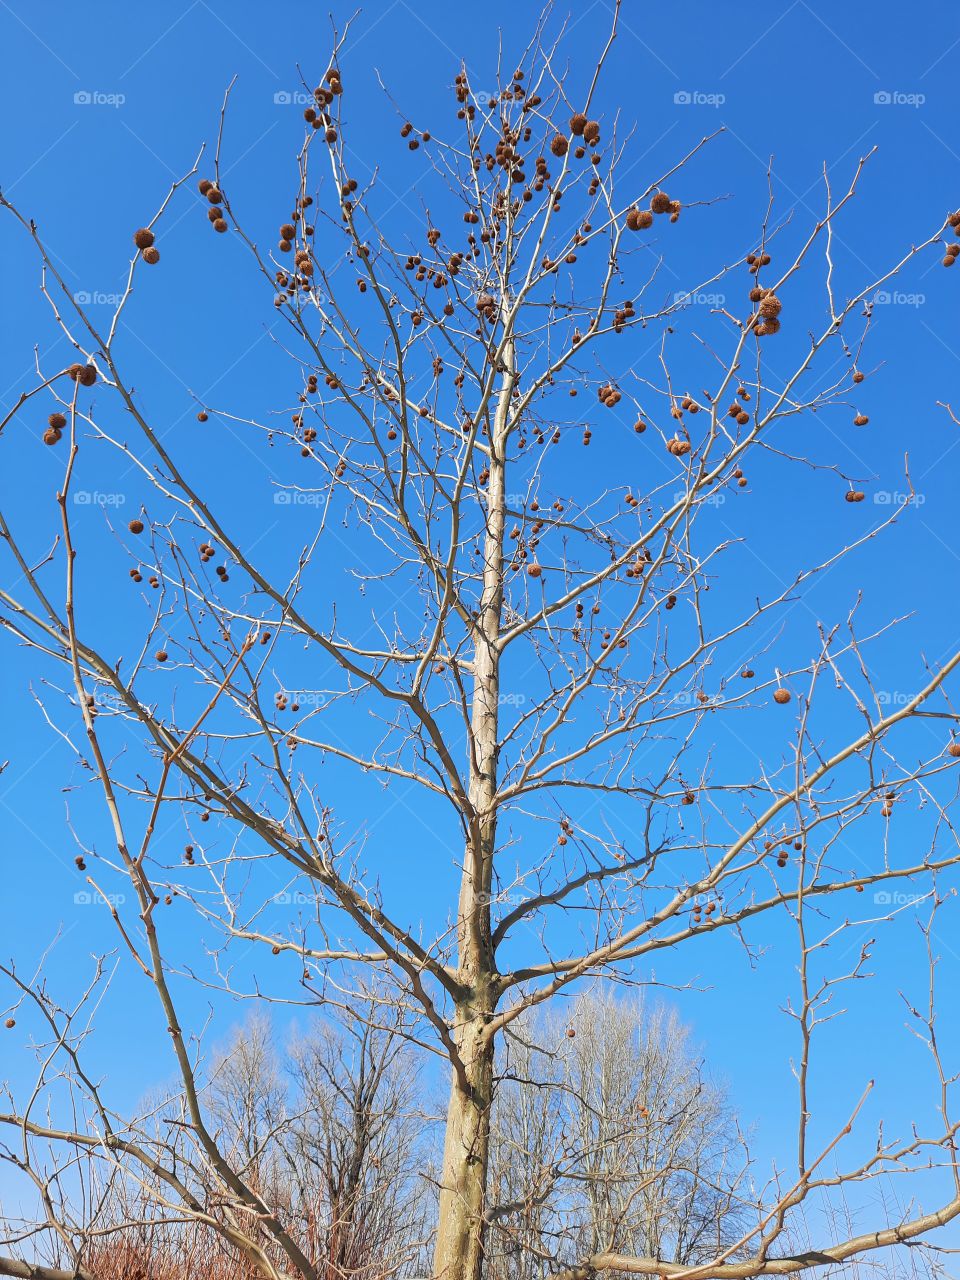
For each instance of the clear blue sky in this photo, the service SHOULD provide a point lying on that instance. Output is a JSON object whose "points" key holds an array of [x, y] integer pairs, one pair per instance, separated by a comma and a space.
{"points": [[105, 105]]}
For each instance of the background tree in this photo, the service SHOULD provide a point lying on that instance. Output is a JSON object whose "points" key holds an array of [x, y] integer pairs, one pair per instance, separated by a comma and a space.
{"points": [[562, 673], [609, 1136]]}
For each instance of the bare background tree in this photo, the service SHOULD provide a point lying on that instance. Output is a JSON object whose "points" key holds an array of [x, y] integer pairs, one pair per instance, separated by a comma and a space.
{"points": [[607, 1135], [563, 673]]}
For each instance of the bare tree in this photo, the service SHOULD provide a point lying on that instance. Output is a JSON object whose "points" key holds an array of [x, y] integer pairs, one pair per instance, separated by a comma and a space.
{"points": [[553, 666], [609, 1136]]}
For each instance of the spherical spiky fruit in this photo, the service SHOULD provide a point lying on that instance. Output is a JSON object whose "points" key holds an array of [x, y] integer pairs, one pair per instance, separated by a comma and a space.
{"points": [[51, 436], [204, 185], [220, 225], [660, 202], [770, 307], [782, 696], [288, 231], [578, 123], [135, 526], [151, 255], [143, 238], [57, 421], [10, 1023], [954, 750], [861, 420], [854, 495], [559, 146], [87, 375], [535, 571], [591, 133]]}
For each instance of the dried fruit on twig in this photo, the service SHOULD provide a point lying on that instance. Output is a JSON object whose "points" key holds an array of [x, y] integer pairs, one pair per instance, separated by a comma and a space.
{"points": [[143, 238], [782, 696]]}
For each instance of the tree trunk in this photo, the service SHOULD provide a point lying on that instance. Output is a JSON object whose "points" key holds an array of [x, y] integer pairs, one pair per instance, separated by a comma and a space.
{"points": [[466, 1156], [459, 1248]]}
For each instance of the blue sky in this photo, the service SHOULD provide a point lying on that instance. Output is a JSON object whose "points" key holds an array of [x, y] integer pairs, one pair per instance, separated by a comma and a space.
{"points": [[105, 108]]}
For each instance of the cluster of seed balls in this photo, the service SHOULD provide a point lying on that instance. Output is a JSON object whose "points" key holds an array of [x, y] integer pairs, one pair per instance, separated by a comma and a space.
{"points": [[660, 202], [318, 117], [214, 197], [144, 239], [86, 376], [953, 250]]}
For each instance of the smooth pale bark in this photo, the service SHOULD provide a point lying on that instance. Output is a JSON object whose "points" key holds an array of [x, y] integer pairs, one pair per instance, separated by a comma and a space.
{"points": [[460, 1232]]}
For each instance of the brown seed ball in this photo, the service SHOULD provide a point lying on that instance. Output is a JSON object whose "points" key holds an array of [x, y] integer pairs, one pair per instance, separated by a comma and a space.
{"points": [[161, 655], [953, 250], [202, 416], [535, 571], [285, 246], [220, 225], [954, 750], [151, 255], [771, 306], [143, 238], [204, 186], [213, 213], [57, 421], [591, 133], [578, 123], [559, 146], [51, 436], [288, 231], [858, 377], [88, 373], [660, 202], [861, 420], [782, 696], [214, 195], [10, 1023], [135, 526], [854, 495], [949, 260]]}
